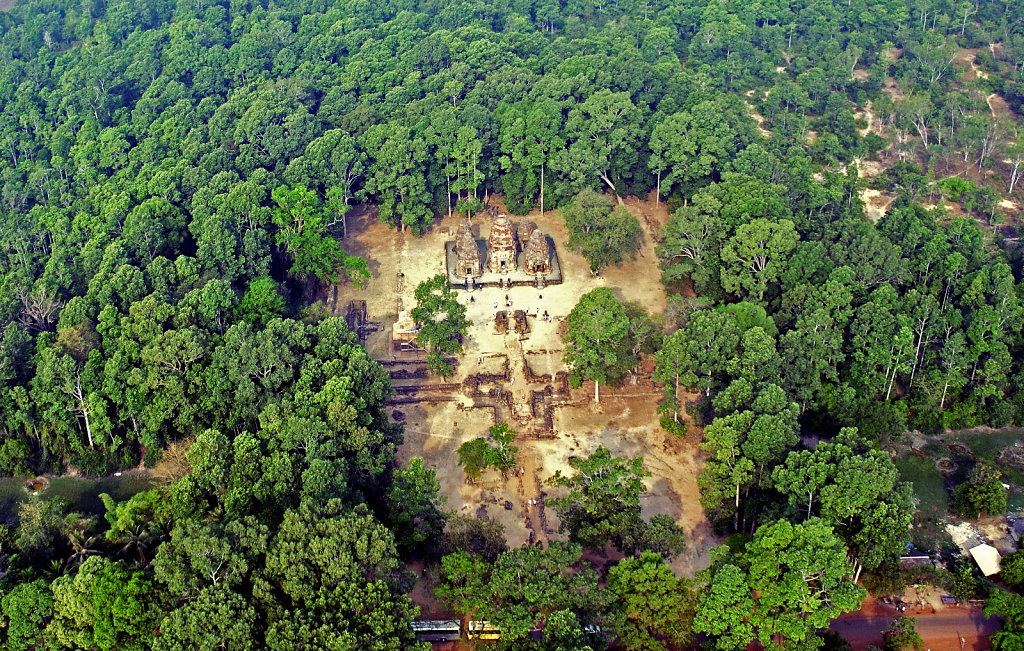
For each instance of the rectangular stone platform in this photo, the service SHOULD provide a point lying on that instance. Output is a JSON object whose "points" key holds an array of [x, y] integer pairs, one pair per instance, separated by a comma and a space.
{"points": [[511, 279]]}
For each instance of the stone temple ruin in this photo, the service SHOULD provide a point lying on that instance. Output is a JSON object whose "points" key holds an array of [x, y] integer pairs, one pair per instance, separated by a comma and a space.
{"points": [[467, 253], [518, 254], [501, 247], [537, 253]]}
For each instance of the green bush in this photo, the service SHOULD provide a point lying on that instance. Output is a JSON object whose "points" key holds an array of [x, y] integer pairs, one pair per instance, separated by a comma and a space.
{"points": [[1012, 572], [954, 187], [670, 425], [959, 580], [983, 492], [902, 634]]}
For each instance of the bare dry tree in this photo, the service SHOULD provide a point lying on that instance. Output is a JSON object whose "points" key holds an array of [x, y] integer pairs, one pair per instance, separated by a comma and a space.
{"points": [[39, 308], [173, 464]]}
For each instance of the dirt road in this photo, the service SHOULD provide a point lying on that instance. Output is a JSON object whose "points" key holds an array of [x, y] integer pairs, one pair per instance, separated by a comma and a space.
{"points": [[941, 631]]}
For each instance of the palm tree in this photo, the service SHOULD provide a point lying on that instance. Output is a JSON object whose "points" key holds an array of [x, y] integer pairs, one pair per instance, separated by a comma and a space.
{"points": [[80, 533]]}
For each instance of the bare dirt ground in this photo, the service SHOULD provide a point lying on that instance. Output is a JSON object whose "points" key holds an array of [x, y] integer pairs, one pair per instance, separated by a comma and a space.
{"points": [[999, 107], [893, 54], [892, 89], [7, 5], [521, 379], [873, 124], [964, 60], [876, 203]]}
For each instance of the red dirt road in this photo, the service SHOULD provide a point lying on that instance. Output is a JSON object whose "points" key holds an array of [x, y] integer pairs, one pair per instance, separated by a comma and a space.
{"points": [[941, 631]]}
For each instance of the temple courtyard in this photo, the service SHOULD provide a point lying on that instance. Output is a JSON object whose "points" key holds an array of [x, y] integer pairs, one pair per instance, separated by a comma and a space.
{"points": [[519, 377]]}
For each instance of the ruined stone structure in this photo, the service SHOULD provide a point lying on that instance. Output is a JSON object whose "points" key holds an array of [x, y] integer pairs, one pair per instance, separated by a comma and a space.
{"points": [[523, 230], [520, 324], [501, 322], [404, 332], [467, 253], [501, 247], [536, 254], [514, 253]]}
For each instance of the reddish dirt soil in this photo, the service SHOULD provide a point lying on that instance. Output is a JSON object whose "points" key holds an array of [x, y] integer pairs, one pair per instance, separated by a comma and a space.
{"points": [[941, 630]]}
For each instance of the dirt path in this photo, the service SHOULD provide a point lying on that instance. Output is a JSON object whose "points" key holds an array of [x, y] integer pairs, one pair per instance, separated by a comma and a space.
{"points": [[965, 58], [988, 100], [869, 116], [757, 118], [942, 630]]}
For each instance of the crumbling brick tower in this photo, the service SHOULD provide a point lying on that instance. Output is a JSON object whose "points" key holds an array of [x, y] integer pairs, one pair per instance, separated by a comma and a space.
{"points": [[537, 254], [467, 253], [501, 246]]}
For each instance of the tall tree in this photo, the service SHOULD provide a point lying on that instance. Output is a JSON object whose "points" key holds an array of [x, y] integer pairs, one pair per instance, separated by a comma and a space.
{"points": [[651, 607], [334, 164], [333, 580], [689, 249], [103, 606], [597, 327], [442, 323], [603, 133], [603, 235], [521, 587], [414, 508], [1009, 607], [26, 611], [692, 148], [755, 256], [857, 490], [745, 444], [788, 582], [303, 233], [603, 504]]}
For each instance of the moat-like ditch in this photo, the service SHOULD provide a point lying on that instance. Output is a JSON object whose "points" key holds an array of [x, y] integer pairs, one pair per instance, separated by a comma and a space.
{"points": [[82, 492]]}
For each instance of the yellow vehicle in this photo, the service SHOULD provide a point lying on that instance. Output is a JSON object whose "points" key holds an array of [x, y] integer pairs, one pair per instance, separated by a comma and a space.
{"points": [[481, 629]]}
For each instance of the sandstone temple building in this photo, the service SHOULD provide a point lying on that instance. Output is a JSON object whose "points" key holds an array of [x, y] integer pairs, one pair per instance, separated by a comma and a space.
{"points": [[512, 254], [467, 252], [501, 246]]}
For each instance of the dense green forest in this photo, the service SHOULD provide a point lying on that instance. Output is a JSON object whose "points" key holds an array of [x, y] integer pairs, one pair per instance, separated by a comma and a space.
{"points": [[175, 183]]}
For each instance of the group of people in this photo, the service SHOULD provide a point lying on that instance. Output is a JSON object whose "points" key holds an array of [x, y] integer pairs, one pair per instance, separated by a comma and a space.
{"points": [[508, 303]]}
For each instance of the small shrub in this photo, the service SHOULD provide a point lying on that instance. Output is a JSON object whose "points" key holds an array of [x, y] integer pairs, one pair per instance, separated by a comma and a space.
{"points": [[902, 634], [954, 187], [959, 580], [670, 425], [1012, 572], [983, 492]]}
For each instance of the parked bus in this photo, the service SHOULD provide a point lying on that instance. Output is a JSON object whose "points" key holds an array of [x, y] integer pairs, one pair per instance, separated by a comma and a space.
{"points": [[436, 630]]}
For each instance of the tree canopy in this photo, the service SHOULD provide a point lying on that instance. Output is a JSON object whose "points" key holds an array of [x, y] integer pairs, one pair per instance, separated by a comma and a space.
{"points": [[179, 183], [442, 323]]}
